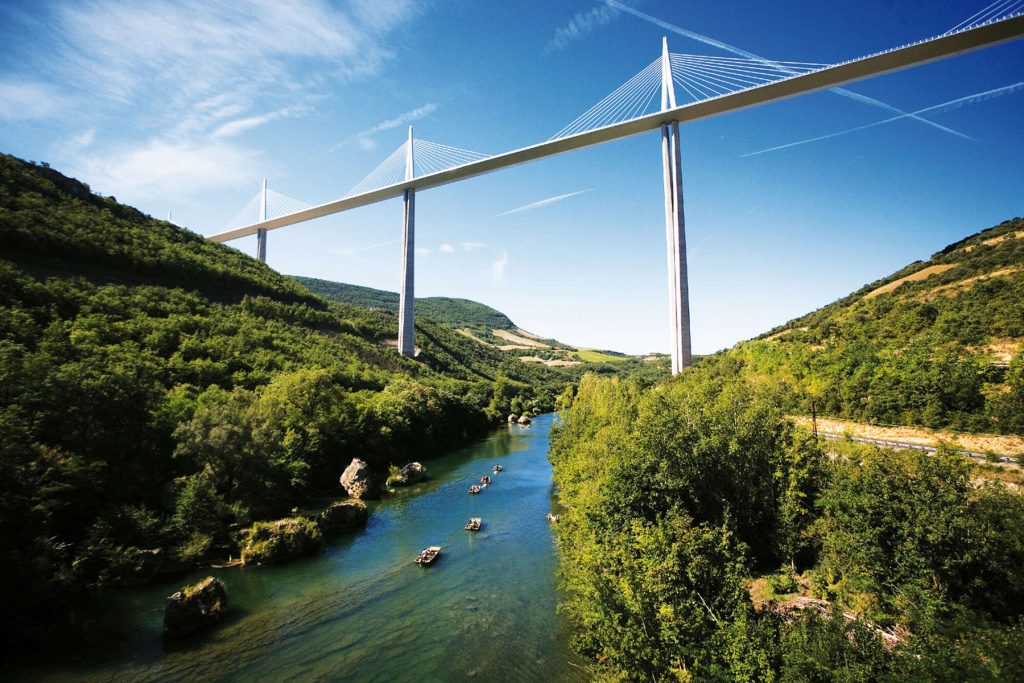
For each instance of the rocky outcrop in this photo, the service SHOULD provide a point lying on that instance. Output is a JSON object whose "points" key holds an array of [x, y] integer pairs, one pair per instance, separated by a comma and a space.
{"points": [[410, 474], [524, 420], [281, 540], [343, 516], [195, 607], [358, 480], [512, 418]]}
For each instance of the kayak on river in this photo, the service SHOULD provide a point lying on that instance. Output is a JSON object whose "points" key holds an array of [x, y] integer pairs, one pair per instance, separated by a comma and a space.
{"points": [[473, 524]]}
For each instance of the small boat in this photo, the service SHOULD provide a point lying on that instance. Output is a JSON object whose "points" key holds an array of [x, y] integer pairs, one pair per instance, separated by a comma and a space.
{"points": [[552, 518], [428, 555], [473, 524], [497, 468], [474, 489], [485, 480]]}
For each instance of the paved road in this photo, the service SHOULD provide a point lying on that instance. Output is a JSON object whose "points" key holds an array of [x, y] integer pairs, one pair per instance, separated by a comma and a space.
{"points": [[916, 447]]}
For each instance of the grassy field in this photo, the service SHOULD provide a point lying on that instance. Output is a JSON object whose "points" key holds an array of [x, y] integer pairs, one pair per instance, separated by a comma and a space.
{"points": [[592, 356]]}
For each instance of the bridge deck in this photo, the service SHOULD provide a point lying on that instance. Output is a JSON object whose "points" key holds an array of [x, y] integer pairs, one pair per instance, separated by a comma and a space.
{"points": [[828, 77]]}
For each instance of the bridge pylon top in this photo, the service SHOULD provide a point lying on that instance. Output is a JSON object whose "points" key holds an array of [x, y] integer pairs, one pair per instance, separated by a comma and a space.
{"points": [[668, 90]]}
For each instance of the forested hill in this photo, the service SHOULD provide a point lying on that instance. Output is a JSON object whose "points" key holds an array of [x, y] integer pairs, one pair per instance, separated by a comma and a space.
{"points": [[157, 389], [460, 313], [937, 343]]}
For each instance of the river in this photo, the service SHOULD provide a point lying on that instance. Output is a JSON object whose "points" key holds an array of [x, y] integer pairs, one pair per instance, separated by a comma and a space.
{"points": [[362, 611]]}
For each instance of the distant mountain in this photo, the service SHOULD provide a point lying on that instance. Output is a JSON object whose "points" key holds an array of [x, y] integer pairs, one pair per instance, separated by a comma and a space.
{"points": [[478, 322], [937, 343], [459, 313]]}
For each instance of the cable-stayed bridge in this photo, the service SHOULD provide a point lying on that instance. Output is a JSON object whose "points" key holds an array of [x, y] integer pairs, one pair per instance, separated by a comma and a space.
{"points": [[691, 87]]}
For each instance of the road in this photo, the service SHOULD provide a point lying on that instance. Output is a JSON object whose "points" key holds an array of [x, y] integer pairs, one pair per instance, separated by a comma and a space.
{"points": [[917, 447]]}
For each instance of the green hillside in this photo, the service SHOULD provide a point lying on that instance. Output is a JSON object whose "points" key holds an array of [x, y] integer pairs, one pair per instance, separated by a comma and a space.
{"points": [[937, 343], [704, 536], [460, 313], [157, 389]]}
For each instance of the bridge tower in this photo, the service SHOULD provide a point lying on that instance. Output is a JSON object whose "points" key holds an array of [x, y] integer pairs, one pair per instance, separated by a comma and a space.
{"points": [[406, 298], [675, 222], [261, 234]]}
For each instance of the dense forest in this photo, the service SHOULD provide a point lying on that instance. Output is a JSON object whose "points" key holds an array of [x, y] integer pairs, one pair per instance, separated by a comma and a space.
{"points": [[158, 390], [459, 313], [937, 344], [704, 538]]}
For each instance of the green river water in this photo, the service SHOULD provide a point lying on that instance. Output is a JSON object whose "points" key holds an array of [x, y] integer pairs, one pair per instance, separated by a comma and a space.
{"points": [[362, 611]]}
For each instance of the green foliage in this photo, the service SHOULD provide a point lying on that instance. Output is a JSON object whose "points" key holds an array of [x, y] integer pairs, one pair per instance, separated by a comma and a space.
{"points": [[676, 496], [459, 313], [156, 388], [916, 355], [281, 540]]}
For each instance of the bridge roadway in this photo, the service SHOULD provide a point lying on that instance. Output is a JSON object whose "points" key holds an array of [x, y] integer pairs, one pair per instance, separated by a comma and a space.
{"points": [[873, 65]]}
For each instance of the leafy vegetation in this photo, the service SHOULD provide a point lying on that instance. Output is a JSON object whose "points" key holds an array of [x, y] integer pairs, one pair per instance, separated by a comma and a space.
{"points": [[157, 389], [677, 496], [940, 351], [459, 313]]}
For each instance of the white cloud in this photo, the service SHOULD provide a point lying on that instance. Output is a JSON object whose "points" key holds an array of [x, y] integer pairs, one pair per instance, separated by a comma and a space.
{"points": [[580, 25], [162, 168], [539, 204], [241, 125], [365, 138], [446, 249], [472, 246], [498, 268], [177, 80], [30, 100]]}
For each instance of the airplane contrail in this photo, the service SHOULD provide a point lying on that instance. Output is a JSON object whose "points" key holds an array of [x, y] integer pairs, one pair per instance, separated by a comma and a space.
{"points": [[952, 104], [857, 97]]}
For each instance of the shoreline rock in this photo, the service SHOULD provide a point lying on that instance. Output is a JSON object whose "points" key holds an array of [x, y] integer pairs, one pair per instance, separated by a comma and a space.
{"points": [[195, 607], [343, 515], [411, 473], [281, 540], [358, 480]]}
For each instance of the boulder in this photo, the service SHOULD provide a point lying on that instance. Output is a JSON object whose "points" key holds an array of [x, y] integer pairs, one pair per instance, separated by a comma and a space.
{"points": [[343, 516], [281, 540], [524, 420], [512, 418], [358, 480], [410, 474], [195, 607]]}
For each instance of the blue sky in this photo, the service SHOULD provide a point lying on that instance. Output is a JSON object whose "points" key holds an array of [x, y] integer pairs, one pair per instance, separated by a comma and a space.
{"points": [[183, 107]]}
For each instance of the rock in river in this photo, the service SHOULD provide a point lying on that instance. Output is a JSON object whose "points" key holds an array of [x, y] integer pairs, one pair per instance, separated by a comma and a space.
{"points": [[195, 607], [280, 540], [512, 418], [410, 474], [358, 480], [524, 420], [343, 515]]}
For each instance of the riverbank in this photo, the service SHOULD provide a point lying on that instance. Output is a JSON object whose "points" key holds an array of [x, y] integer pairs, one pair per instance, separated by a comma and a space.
{"points": [[363, 611]]}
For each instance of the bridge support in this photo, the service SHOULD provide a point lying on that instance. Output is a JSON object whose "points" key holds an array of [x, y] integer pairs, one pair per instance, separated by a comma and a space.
{"points": [[406, 297], [675, 224], [261, 234]]}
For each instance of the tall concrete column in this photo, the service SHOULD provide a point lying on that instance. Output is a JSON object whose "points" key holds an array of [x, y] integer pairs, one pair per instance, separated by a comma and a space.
{"points": [[681, 277], [675, 223], [261, 234], [406, 297]]}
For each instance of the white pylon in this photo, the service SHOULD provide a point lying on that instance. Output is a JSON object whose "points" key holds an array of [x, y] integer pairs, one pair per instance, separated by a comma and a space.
{"points": [[675, 222], [261, 234], [406, 296]]}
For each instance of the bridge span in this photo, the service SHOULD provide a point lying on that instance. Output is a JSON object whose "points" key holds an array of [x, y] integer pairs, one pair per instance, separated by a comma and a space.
{"points": [[667, 119]]}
